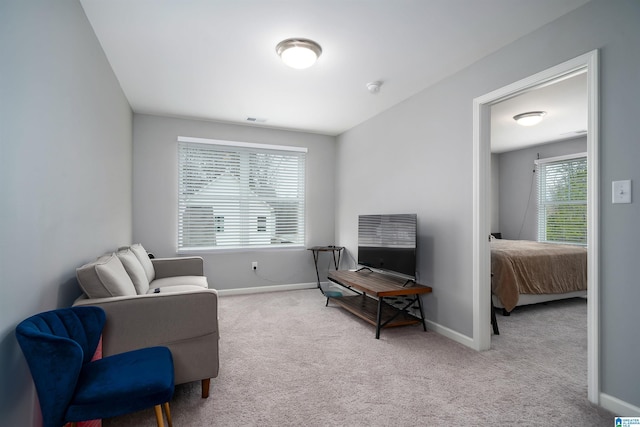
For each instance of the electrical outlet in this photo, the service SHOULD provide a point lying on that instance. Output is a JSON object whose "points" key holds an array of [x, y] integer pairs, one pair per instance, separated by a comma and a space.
{"points": [[254, 265]]}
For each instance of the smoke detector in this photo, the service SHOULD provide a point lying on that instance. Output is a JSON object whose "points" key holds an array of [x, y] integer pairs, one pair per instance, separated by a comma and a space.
{"points": [[374, 87]]}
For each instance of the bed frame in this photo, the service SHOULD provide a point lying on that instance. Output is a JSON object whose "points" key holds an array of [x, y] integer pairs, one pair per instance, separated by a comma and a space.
{"points": [[528, 299]]}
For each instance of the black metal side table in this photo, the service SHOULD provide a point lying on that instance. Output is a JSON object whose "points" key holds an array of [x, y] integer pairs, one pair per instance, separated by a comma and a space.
{"points": [[336, 252]]}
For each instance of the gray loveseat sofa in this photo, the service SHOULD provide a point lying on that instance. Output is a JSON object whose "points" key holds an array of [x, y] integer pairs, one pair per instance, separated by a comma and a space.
{"points": [[149, 302]]}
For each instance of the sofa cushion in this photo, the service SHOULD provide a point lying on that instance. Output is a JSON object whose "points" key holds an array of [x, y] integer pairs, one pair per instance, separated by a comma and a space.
{"points": [[166, 282], [174, 289], [143, 257], [134, 270], [105, 277]]}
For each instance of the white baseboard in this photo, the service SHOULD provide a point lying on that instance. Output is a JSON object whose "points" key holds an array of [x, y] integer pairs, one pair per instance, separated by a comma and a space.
{"points": [[620, 408], [261, 289], [450, 333]]}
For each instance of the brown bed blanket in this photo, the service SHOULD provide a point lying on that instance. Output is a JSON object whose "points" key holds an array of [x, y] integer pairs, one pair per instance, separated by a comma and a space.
{"points": [[526, 267]]}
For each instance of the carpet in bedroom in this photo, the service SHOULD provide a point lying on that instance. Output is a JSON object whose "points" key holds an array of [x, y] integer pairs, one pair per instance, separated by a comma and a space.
{"points": [[287, 360]]}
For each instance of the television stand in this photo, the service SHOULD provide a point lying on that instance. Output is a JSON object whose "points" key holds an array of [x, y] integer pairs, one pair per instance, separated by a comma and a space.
{"points": [[370, 285]]}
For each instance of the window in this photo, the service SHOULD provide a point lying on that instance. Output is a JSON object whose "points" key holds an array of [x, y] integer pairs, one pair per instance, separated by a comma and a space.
{"points": [[562, 199], [262, 223], [239, 195], [218, 224]]}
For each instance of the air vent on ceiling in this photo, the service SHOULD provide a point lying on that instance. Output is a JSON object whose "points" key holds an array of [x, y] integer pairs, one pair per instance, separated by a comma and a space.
{"points": [[256, 119]]}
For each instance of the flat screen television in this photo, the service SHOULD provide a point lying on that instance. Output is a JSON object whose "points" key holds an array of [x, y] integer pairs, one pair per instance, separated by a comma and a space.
{"points": [[387, 242]]}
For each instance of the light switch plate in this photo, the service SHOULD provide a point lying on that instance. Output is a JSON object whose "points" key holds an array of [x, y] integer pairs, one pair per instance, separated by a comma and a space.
{"points": [[621, 191]]}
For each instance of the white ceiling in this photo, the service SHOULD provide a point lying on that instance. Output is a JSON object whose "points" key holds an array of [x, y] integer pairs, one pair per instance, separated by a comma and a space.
{"points": [[564, 101], [216, 60]]}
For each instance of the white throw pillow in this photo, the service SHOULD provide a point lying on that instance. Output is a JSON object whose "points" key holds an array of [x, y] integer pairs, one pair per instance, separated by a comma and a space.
{"points": [[143, 257], [134, 270], [105, 277]]}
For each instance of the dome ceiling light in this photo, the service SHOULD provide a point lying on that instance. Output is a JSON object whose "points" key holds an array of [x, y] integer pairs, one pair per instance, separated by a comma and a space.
{"points": [[529, 119], [299, 53]]}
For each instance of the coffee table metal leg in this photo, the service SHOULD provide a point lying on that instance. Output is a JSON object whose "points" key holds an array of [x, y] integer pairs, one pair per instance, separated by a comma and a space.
{"points": [[379, 318], [424, 325]]}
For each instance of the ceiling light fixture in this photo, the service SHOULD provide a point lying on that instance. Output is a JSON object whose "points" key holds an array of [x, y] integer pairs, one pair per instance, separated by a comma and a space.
{"points": [[529, 119], [299, 53]]}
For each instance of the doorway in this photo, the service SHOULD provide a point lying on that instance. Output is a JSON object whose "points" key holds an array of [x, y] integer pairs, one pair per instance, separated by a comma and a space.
{"points": [[481, 204]]}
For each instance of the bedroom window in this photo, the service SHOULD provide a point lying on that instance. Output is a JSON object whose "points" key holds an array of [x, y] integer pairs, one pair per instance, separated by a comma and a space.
{"points": [[562, 199], [239, 195]]}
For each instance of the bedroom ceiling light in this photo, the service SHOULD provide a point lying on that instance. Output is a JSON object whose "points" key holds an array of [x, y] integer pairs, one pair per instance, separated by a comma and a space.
{"points": [[529, 119], [299, 53]]}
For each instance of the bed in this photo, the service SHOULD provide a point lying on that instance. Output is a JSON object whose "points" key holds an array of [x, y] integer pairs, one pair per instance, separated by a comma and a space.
{"points": [[527, 272]]}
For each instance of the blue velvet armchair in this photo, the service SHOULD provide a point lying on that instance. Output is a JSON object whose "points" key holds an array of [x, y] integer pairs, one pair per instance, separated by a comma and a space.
{"points": [[59, 345]]}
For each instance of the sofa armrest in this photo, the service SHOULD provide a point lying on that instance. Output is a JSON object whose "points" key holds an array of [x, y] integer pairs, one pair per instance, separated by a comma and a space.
{"points": [[178, 266], [156, 319]]}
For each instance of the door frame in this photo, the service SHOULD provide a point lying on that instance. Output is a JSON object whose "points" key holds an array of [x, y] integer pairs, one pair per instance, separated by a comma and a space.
{"points": [[481, 206]]}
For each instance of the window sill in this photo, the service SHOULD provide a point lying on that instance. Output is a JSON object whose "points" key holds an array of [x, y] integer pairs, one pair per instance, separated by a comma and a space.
{"points": [[209, 251]]}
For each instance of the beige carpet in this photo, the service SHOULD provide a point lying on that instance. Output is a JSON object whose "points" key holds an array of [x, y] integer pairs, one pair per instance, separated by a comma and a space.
{"points": [[287, 360]]}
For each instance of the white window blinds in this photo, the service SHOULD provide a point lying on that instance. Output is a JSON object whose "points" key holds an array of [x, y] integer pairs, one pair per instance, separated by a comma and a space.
{"points": [[239, 195], [562, 199]]}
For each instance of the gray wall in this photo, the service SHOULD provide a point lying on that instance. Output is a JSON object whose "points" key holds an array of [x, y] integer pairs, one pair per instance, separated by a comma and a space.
{"points": [[400, 162], [517, 187], [417, 157], [65, 172], [155, 192]]}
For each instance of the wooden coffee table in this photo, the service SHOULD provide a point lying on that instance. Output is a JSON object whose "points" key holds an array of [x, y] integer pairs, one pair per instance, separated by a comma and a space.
{"points": [[372, 288]]}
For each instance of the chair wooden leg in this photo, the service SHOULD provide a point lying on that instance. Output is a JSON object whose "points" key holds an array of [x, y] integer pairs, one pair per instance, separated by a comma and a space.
{"points": [[159, 419], [205, 387], [167, 412]]}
